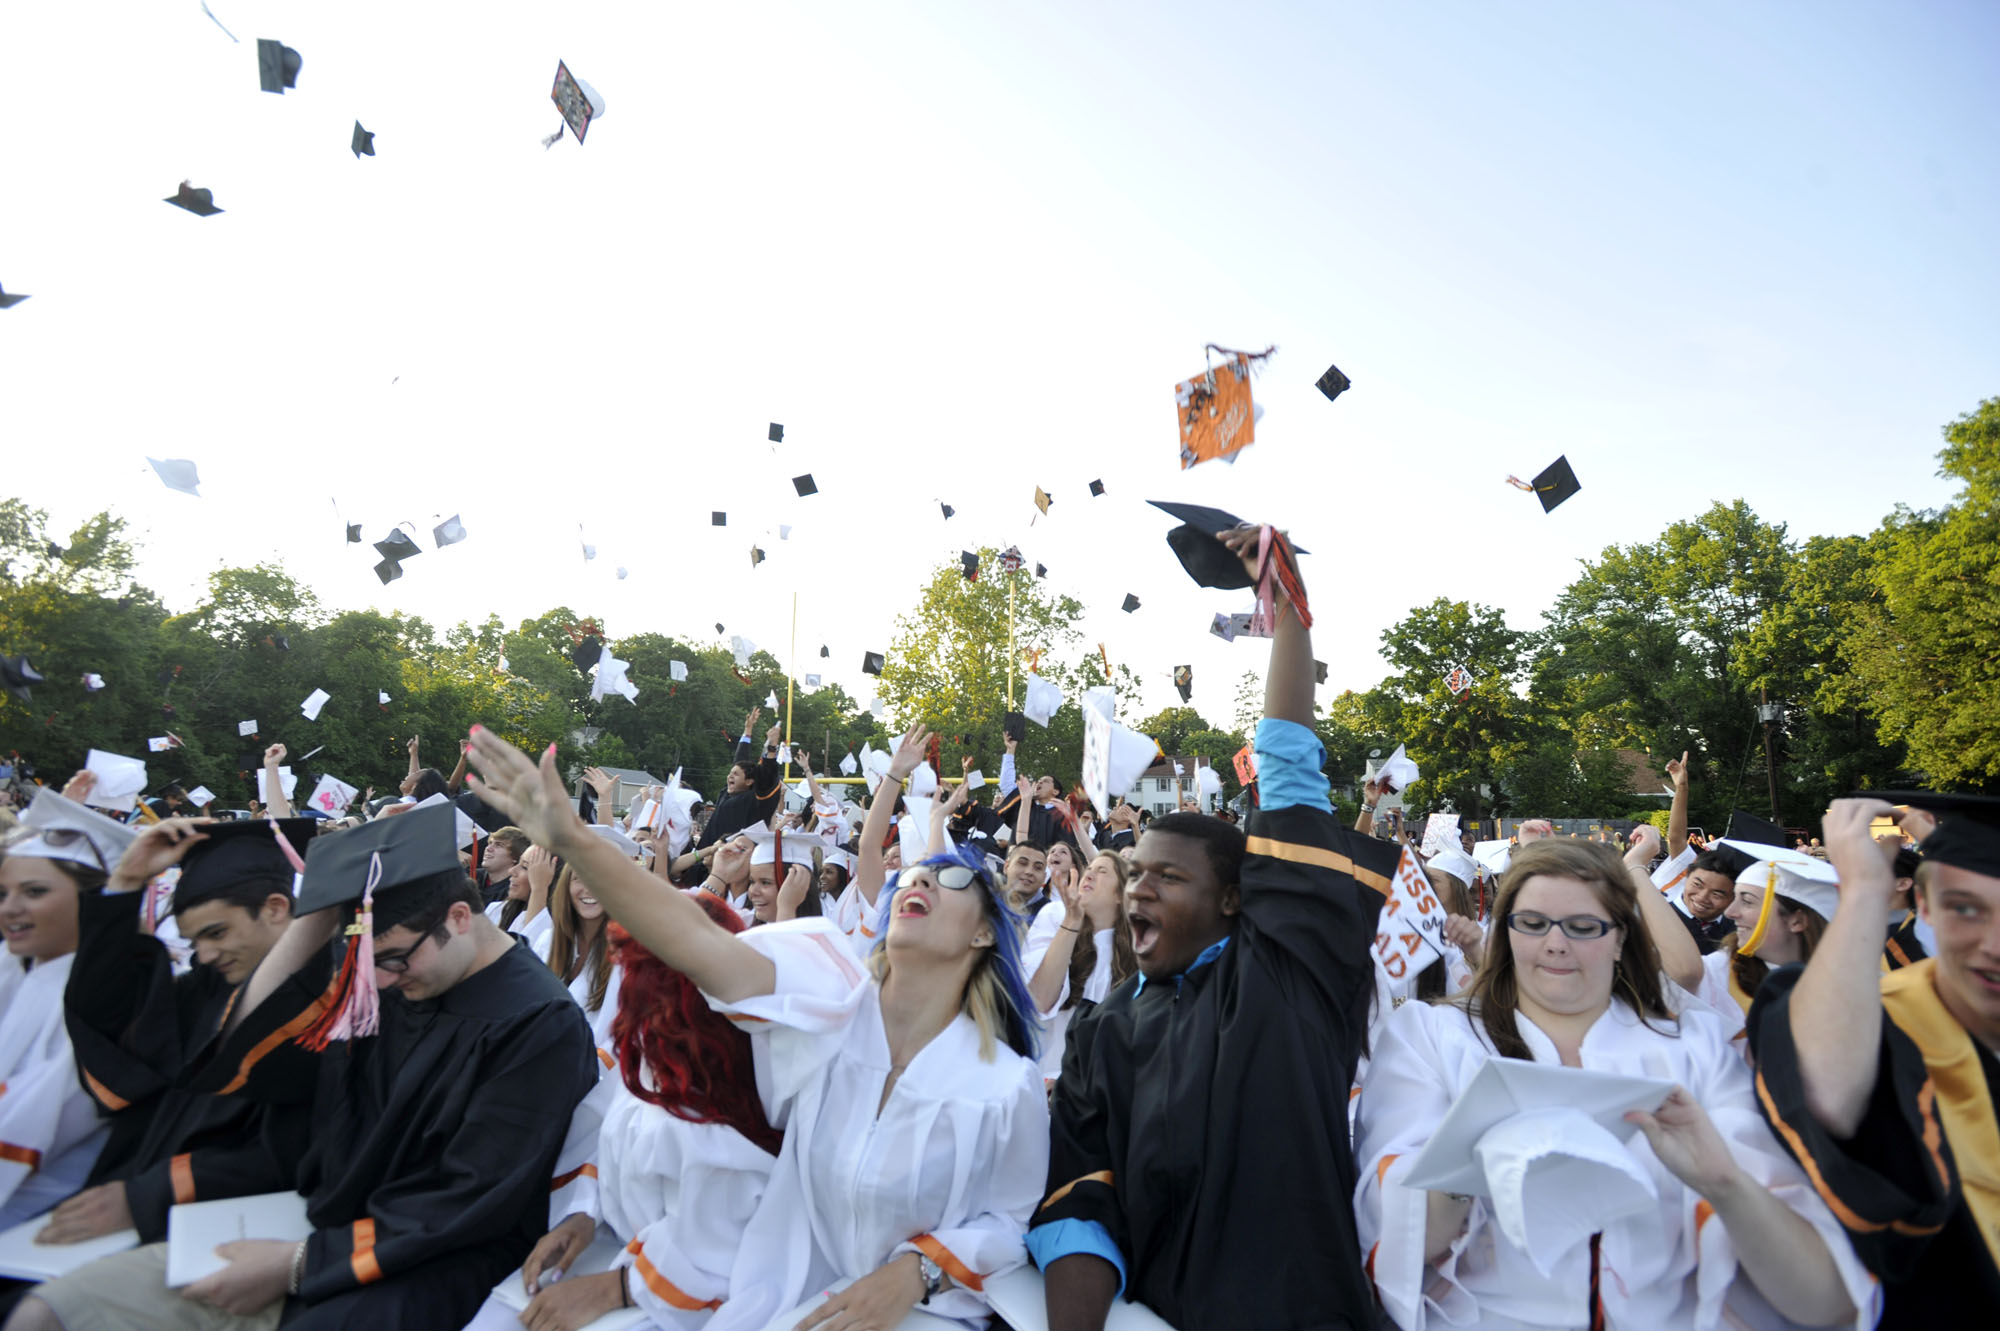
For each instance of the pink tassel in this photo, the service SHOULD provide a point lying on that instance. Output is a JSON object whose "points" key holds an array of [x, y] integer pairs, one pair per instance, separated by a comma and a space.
{"points": [[1264, 618], [285, 844], [152, 906], [357, 1009]]}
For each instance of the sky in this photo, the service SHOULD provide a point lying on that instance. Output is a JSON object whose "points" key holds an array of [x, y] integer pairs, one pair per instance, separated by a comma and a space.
{"points": [[1707, 251]]}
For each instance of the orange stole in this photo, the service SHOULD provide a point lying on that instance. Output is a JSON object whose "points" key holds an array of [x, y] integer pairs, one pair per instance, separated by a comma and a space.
{"points": [[1964, 1102]]}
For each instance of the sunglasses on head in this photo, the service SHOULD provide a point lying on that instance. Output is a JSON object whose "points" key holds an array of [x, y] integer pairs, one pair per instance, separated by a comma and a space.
{"points": [[58, 838]]}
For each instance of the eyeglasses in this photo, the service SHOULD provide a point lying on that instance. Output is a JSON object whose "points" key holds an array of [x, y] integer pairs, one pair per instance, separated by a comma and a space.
{"points": [[1535, 925], [398, 963]]}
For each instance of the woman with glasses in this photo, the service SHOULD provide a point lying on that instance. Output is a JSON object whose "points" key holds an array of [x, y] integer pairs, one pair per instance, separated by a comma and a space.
{"points": [[916, 1127], [49, 1130], [1575, 980]]}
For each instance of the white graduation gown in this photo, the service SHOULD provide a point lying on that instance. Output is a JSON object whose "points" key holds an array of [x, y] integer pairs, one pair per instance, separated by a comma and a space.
{"points": [[1714, 996], [49, 1130], [1669, 1268], [1055, 1021], [952, 1166]]}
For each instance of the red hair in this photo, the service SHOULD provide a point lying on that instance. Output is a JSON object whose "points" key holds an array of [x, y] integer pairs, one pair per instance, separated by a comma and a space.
{"points": [[701, 1064]]}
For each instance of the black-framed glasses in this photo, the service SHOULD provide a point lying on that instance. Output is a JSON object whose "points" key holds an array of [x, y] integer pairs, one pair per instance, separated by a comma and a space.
{"points": [[398, 963], [1580, 927]]}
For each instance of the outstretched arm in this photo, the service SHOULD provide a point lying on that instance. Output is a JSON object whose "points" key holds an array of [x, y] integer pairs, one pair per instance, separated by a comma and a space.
{"points": [[868, 871], [668, 924], [276, 804], [1677, 817], [1680, 956]]}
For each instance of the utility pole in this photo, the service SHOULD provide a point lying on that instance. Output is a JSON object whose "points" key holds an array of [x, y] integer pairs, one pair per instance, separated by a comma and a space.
{"points": [[1768, 712]]}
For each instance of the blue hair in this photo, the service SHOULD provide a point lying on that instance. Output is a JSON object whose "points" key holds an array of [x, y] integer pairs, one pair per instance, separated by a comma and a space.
{"points": [[1022, 1026]]}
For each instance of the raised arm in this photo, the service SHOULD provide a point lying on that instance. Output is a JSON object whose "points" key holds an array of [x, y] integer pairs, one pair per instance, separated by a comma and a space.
{"points": [[1680, 956], [1836, 1008], [1371, 795], [1024, 793], [1677, 817], [603, 785], [941, 812], [416, 764], [275, 802], [668, 924], [456, 782], [868, 872], [1288, 687]]}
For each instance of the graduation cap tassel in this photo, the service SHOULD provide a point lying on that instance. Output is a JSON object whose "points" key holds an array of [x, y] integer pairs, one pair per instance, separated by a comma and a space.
{"points": [[1756, 938], [552, 139], [1520, 484], [284, 844], [1275, 562], [353, 1008], [153, 906]]}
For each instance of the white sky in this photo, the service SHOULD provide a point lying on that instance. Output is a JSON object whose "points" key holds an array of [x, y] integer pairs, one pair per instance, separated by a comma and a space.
{"points": [[961, 250]]}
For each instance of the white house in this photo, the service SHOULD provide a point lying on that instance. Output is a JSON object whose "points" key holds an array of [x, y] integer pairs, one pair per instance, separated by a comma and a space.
{"points": [[1161, 787]]}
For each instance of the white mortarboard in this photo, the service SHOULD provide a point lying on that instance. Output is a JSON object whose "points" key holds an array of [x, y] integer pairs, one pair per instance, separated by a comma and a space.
{"points": [[874, 766], [1398, 772], [1504, 1087], [1105, 699], [611, 678], [92, 683], [876, 705], [623, 572], [287, 782], [923, 779], [201, 797], [1177, 769], [159, 744], [913, 829], [784, 532], [1041, 701], [771, 698], [331, 796], [812, 681], [246, 727], [466, 830], [1457, 863], [1802, 879], [742, 648], [798, 846], [76, 834], [119, 781], [1493, 856], [848, 767], [677, 671], [449, 532], [589, 552], [310, 707], [975, 780], [381, 697], [1208, 780], [627, 847], [1556, 1177], [1131, 753], [784, 754], [835, 855], [178, 474]]}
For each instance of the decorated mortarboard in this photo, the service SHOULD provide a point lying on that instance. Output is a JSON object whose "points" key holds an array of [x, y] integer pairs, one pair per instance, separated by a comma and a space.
{"points": [[364, 142], [1184, 681], [1398, 772], [968, 564], [55, 828], [718, 519], [8, 302], [1552, 485], [797, 847], [1227, 626], [1968, 832], [1197, 543], [871, 663], [257, 850], [1096, 489], [330, 796], [777, 433], [804, 485], [948, 509], [16, 674], [278, 66], [579, 103], [1042, 499], [397, 546], [1333, 383], [1217, 417], [178, 474], [200, 202], [353, 533], [449, 532]]}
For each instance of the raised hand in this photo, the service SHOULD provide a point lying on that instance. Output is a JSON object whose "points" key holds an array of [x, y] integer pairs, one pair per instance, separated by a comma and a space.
{"points": [[750, 721], [1646, 844], [1677, 768], [792, 892], [1685, 1140], [156, 850], [959, 794], [80, 787], [412, 747], [909, 752], [530, 793], [600, 781], [274, 755]]}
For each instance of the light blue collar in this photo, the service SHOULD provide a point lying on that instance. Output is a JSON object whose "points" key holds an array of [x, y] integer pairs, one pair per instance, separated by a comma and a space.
{"points": [[1208, 954]]}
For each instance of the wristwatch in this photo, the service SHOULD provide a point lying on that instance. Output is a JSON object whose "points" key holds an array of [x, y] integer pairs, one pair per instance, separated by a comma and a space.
{"points": [[933, 1275]]}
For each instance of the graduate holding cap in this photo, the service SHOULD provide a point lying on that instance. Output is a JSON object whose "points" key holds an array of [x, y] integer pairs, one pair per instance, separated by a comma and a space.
{"points": [[1698, 1219], [1885, 1086], [438, 1104]]}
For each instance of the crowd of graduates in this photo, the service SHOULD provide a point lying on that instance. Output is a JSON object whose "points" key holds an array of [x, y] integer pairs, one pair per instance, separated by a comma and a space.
{"points": [[942, 1060]]}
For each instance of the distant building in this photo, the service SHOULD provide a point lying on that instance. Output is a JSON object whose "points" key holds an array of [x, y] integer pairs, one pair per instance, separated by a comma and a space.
{"points": [[630, 782], [1161, 787]]}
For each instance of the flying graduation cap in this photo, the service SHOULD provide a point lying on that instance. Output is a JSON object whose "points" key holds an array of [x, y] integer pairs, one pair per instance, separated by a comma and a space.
{"points": [[200, 202], [1096, 489], [1184, 681], [948, 510], [718, 519], [969, 565], [824, 653], [1042, 500], [449, 532], [364, 142], [871, 663], [8, 302], [804, 485], [353, 533], [777, 433], [579, 103], [16, 674], [397, 546], [1131, 603], [178, 474], [1333, 383], [1198, 544], [756, 556], [1552, 485], [277, 66]]}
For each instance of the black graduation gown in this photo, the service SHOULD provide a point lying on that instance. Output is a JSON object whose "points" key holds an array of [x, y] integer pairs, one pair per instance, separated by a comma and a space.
{"points": [[750, 807], [1204, 1124], [433, 1141], [134, 1024], [1709, 936], [1899, 1185], [1904, 947]]}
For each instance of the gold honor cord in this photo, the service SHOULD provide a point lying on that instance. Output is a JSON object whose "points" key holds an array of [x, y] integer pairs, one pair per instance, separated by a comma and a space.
{"points": [[1749, 948]]}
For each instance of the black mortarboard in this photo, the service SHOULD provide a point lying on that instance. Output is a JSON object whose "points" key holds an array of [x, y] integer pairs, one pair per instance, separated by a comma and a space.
{"points": [[55, 551], [281, 642], [388, 570], [718, 519], [1749, 827], [1319, 672], [871, 663], [277, 66], [1555, 483], [1131, 603], [8, 302], [488, 819], [1968, 832], [1041, 570], [17, 675], [200, 202], [354, 533], [364, 142], [1197, 542], [239, 852], [1184, 681], [587, 653], [824, 653], [718, 627], [415, 846], [1333, 383], [804, 485], [1096, 488], [968, 564], [397, 546], [948, 510], [777, 433], [1014, 725]]}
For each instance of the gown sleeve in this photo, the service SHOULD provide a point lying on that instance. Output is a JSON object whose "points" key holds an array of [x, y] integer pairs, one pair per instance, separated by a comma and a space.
{"points": [[492, 1170], [818, 987], [261, 1059], [1080, 1210], [573, 1190], [120, 1004], [680, 1263], [259, 1162], [1893, 1184], [44, 1112]]}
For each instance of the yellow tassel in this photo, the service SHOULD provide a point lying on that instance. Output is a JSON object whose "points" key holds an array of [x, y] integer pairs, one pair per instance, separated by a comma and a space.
{"points": [[1749, 948]]}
